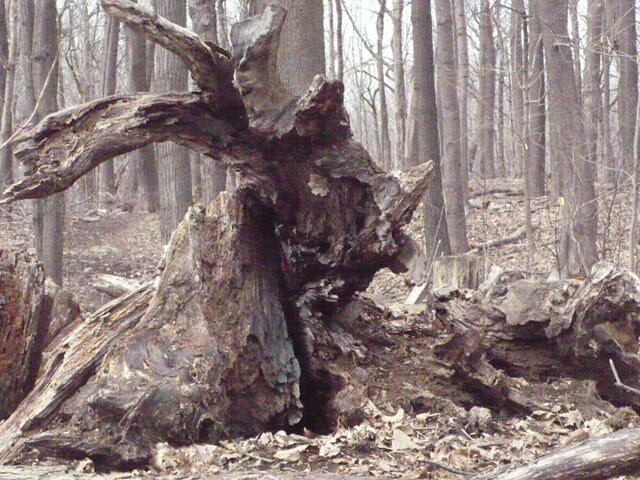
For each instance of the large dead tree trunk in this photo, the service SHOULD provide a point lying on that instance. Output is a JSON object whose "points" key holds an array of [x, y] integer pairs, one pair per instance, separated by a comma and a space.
{"points": [[240, 330]]}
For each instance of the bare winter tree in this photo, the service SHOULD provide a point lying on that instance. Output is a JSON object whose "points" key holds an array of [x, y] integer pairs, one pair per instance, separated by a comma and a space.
{"points": [[486, 95], [424, 141], [452, 168], [578, 250]]}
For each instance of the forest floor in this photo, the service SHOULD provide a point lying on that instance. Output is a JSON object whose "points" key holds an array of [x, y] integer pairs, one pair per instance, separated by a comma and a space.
{"points": [[412, 427]]}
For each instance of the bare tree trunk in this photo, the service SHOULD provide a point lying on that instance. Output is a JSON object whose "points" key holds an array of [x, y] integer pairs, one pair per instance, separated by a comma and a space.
{"points": [[301, 53], [45, 69], [139, 70], [223, 21], [536, 92], [174, 165], [518, 82], [625, 40], [486, 95], [339, 41], [578, 250], [424, 144], [107, 180], [575, 42], [609, 165], [5, 25], [400, 94], [6, 120], [385, 139], [462, 80], [204, 17], [450, 113], [331, 66]]}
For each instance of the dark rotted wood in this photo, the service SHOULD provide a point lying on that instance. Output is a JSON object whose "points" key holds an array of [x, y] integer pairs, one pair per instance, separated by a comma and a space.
{"points": [[239, 333], [25, 311], [539, 330]]}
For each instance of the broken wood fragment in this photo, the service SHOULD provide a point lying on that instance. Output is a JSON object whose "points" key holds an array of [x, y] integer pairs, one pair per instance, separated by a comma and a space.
{"points": [[114, 286]]}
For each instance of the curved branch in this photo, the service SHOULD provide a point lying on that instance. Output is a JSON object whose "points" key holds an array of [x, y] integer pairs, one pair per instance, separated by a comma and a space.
{"points": [[210, 65], [68, 144]]}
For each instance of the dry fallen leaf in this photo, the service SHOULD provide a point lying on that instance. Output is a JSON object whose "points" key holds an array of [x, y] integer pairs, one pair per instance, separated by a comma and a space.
{"points": [[291, 454]]}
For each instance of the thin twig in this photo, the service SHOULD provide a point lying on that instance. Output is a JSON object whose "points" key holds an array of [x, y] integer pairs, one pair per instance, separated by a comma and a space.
{"points": [[619, 383]]}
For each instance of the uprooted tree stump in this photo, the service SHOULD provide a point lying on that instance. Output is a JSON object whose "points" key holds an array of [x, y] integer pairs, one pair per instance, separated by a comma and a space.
{"points": [[238, 332]]}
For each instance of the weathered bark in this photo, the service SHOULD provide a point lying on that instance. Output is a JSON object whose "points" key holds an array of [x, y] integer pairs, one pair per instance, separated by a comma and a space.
{"points": [[540, 330], [24, 319], [424, 141], [452, 169], [238, 333]]}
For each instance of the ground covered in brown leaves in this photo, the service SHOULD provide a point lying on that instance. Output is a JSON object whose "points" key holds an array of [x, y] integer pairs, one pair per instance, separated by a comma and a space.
{"points": [[410, 425]]}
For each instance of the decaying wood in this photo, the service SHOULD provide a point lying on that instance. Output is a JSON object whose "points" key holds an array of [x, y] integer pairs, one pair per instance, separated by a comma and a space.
{"points": [[24, 320], [241, 330], [516, 236], [460, 271], [540, 330], [114, 286]]}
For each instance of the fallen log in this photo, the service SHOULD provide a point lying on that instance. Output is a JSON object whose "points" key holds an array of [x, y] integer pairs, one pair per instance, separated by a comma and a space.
{"points": [[516, 236], [599, 458], [541, 330], [242, 330], [114, 286]]}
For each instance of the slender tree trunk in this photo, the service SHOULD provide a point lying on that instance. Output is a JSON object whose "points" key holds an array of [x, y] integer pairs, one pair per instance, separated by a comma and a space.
{"points": [[424, 143], [578, 251], [518, 82], [487, 94], [610, 166], [204, 17], [385, 139], [45, 69], [339, 42], [500, 138], [400, 94], [463, 89], [139, 69], [625, 39], [452, 168], [107, 181], [174, 166], [223, 21], [536, 91], [575, 42], [4, 51], [331, 66], [6, 125]]}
